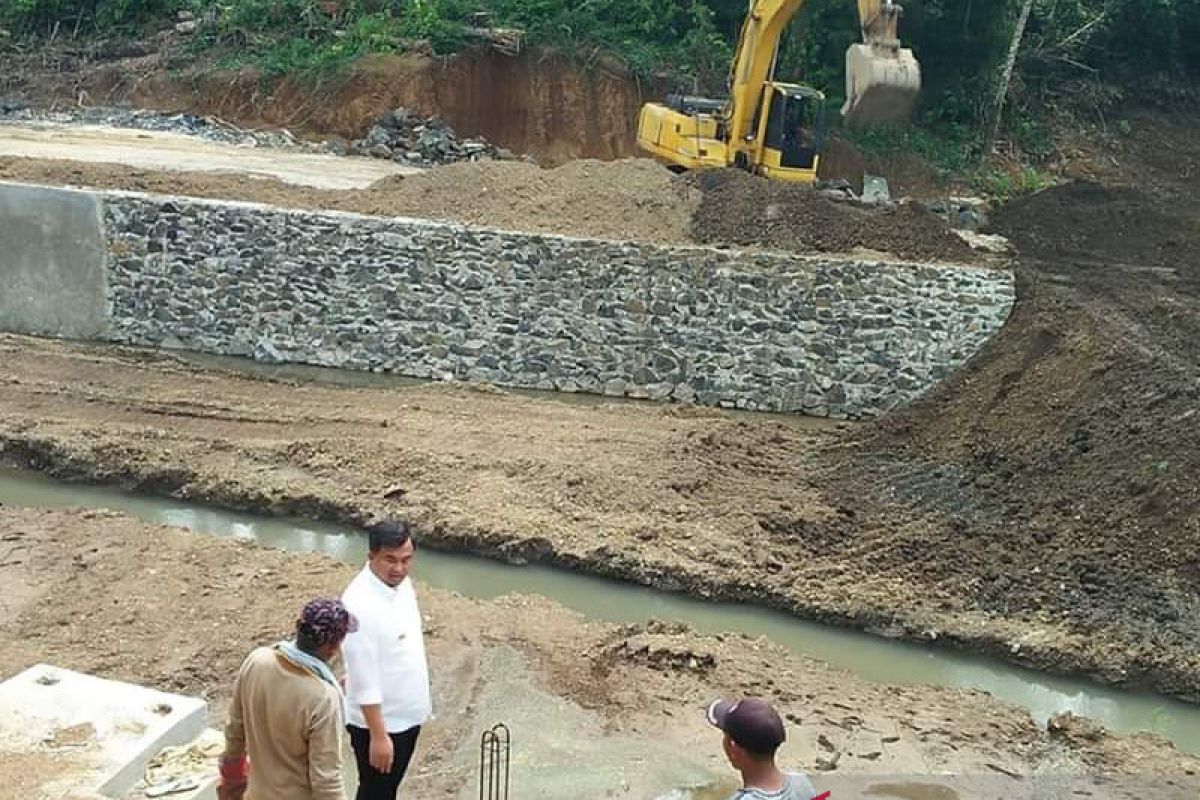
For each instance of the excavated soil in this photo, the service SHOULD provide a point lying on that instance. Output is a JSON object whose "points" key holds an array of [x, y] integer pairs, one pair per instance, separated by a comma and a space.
{"points": [[632, 199], [1056, 476], [180, 611], [635, 199], [740, 209], [1088, 223]]}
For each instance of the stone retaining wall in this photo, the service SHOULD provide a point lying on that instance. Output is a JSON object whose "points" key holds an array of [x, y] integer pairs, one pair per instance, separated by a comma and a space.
{"points": [[822, 336]]}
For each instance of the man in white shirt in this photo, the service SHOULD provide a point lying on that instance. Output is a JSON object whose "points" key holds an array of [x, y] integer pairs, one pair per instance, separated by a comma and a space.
{"points": [[387, 685]]}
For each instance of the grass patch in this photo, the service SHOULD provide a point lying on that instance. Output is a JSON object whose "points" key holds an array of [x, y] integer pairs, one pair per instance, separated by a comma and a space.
{"points": [[952, 150]]}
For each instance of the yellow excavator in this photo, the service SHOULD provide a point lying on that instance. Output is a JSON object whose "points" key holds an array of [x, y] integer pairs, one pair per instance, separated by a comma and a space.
{"points": [[777, 129]]}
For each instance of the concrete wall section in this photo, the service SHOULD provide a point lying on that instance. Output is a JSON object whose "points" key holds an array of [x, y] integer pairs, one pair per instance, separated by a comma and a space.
{"points": [[764, 331], [757, 331], [52, 278]]}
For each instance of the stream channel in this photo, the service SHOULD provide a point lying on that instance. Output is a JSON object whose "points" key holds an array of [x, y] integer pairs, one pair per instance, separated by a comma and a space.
{"points": [[872, 657]]}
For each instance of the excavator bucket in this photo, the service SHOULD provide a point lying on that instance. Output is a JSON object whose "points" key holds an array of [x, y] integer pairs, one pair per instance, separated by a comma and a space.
{"points": [[881, 84]]}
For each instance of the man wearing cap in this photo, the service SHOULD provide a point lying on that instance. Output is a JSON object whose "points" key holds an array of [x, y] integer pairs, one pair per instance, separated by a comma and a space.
{"points": [[284, 737], [753, 732], [387, 680]]}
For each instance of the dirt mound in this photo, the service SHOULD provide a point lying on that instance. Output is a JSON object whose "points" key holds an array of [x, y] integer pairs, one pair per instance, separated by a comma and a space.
{"points": [[741, 209], [631, 199], [1088, 222]]}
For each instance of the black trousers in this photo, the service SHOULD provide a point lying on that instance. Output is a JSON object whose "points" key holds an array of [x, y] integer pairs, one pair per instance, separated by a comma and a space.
{"points": [[373, 784]]}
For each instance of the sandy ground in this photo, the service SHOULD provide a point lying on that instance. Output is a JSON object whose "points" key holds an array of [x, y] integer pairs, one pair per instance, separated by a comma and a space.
{"points": [[596, 710], [160, 150]]}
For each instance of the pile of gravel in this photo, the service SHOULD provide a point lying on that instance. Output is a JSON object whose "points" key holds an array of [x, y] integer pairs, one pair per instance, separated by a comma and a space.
{"points": [[403, 136]]}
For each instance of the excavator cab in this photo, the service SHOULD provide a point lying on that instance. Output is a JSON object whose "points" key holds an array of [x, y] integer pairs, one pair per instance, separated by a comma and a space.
{"points": [[793, 133]]}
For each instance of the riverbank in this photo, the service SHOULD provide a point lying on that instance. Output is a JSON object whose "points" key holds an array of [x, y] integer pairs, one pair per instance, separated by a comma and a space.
{"points": [[674, 497], [180, 610]]}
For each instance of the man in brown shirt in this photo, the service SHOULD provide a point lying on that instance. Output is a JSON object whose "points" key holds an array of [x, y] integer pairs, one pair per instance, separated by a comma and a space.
{"points": [[286, 715]]}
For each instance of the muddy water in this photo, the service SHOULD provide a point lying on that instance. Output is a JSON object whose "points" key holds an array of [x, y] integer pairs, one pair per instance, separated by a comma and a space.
{"points": [[872, 657]]}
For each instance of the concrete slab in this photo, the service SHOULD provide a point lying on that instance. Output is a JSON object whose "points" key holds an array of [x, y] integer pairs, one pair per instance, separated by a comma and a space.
{"points": [[52, 257], [111, 729]]}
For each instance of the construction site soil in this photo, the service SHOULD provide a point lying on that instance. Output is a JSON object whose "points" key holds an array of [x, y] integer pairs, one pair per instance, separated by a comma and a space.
{"points": [[1041, 505], [1063, 463], [740, 209], [634, 199], [597, 710]]}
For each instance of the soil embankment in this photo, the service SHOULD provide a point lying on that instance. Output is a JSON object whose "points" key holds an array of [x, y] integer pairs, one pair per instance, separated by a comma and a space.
{"points": [[1057, 474], [538, 103]]}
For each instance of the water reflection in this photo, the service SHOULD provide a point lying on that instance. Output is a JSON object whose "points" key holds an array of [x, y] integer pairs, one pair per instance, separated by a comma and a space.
{"points": [[871, 657]]}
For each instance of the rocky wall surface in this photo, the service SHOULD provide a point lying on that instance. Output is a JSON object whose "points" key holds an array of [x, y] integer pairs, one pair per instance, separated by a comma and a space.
{"points": [[765, 331]]}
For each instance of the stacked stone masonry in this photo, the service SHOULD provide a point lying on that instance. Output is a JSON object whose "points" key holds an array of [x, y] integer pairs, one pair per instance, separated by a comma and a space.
{"points": [[765, 331]]}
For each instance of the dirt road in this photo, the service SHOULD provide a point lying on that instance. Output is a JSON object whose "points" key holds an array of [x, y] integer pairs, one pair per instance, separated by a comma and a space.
{"points": [[596, 710], [159, 150]]}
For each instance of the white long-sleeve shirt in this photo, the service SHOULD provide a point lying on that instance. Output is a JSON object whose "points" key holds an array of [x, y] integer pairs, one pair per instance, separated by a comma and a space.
{"points": [[385, 657]]}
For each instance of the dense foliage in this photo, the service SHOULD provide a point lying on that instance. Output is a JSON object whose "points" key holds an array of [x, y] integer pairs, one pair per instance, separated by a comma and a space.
{"points": [[960, 43]]}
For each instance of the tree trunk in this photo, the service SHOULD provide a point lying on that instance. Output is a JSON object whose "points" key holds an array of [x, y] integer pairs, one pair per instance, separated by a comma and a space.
{"points": [[989, 144]]}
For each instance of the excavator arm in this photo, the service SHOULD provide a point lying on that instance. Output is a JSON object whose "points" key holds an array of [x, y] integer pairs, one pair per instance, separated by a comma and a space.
{"points": [[754, 62], [882, 79]]}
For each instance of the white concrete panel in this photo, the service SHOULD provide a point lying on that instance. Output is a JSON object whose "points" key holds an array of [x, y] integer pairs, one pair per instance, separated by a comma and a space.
{"points": [[111, 729]]}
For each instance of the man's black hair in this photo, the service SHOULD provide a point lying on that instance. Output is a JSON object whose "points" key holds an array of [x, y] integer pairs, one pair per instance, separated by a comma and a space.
{"points": [[388, 535]]}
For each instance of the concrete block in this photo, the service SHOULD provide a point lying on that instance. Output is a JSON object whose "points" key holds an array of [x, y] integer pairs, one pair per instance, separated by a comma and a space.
{"points": [[52, 255], [113, 728]]}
